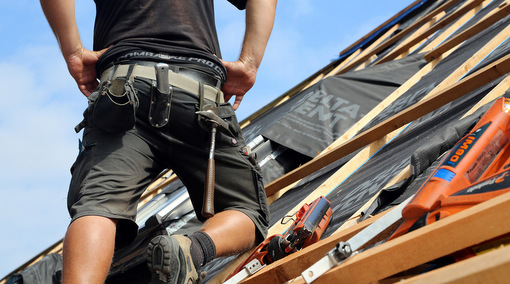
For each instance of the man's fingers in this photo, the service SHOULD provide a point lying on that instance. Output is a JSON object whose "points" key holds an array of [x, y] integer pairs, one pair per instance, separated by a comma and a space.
{"points": [[237, 102]]}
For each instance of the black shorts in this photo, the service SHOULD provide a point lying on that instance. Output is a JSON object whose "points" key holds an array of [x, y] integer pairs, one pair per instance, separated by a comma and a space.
{"points": [[113, 169]]}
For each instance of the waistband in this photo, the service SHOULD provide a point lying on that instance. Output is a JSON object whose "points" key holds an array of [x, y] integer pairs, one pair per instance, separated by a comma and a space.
{"points": [[183, 78]]}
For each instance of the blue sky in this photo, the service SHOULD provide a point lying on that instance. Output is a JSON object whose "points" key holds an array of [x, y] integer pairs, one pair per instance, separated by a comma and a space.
{"points": [[40, 104]]}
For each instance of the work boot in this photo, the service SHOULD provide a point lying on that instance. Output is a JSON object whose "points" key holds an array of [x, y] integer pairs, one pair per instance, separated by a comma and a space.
{"points": [[169, 260]]}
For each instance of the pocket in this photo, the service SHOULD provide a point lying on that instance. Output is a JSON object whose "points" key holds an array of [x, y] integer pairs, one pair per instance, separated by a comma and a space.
{"points": [[227, 113], [115, 108]]}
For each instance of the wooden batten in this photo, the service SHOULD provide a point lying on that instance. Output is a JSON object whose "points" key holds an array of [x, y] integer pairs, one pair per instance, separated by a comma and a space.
{"points": [[502, 11], [468, 6], [409, 30]]}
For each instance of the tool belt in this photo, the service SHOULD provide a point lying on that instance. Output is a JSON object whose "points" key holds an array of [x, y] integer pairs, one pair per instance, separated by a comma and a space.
{"points": [[113, 106], [183, 78]]}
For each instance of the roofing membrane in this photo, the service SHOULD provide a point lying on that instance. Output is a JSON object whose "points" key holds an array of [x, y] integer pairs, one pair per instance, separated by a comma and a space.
{"points": [[312, 121]]}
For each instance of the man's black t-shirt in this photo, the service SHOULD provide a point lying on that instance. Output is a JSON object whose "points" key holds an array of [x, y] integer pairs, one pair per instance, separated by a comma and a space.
{"points": [[175, 31]]}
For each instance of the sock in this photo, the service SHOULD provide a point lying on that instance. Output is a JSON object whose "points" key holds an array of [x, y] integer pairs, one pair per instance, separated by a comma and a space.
{"points": [[202, 249]]}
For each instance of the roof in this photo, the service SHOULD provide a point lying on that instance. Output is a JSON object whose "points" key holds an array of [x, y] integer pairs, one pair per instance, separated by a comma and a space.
{"points": [[349, 132]]}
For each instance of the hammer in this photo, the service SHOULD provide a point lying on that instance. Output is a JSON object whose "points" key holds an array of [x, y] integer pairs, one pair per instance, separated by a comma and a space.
{"points": [[215, 121]]}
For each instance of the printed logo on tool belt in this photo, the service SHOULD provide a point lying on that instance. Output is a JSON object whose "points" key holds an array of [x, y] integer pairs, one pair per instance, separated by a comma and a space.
{"points": [[460, 150]]}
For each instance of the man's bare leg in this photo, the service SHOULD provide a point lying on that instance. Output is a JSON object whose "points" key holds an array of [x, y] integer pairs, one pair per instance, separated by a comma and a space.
{"points": [[88, 250], [231, 231]]}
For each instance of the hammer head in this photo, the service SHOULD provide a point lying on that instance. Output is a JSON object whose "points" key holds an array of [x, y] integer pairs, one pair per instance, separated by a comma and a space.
{"points": [[213, 119]]}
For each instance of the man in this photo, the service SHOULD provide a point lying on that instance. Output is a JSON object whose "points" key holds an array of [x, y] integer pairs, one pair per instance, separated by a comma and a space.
{"points": [[130, 136]]}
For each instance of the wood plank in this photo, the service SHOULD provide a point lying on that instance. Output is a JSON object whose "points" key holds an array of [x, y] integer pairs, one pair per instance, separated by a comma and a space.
{"points": [[410, 41], [156, 186], [496, 92], [401, 34], [453, 28], [468, 6], [490, 267], [470, 83], [462, 230], [497, 14], [379, 27]]}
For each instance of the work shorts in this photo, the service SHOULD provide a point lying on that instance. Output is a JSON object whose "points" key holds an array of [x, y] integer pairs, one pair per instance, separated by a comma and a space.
{"points": [[113, 169]]}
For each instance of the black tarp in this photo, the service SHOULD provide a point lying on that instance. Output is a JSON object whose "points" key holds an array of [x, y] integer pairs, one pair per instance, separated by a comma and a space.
{"points": [[322, 113]]}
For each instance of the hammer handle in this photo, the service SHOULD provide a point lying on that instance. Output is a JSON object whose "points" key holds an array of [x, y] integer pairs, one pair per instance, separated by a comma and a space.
{"points": [[208, 204]]}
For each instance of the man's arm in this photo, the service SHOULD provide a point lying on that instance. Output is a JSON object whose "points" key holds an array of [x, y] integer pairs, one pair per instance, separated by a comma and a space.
{"points": [[242, 73], [80, 61]]}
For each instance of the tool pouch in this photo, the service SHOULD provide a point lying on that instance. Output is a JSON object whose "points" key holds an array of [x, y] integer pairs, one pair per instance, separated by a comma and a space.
{"points": [[115, 107], [159, 112]]}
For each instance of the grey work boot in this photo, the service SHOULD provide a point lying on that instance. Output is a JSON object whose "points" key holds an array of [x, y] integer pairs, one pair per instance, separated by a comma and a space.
{"points": [[169, 260]]}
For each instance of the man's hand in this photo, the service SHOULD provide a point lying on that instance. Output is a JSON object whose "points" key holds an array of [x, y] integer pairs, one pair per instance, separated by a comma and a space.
{"points": [[82, 67], [241, 74], [240, 79]]}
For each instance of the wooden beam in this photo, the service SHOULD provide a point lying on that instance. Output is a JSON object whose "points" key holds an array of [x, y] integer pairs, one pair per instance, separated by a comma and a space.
{"points": [[365, 50], [461, 230], [156, 186], [497, 14], [490, 267], [451, 29], [379, 27], [468, 6], [496, 92], [400, 35], [410, 41]]}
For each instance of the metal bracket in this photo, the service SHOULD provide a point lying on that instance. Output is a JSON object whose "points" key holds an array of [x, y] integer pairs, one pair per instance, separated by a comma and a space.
{"points": [[249, 269]]}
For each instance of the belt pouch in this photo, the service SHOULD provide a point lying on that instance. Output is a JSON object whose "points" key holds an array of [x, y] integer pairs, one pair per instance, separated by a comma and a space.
{"points": [[161, 100], [115, 107]]}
